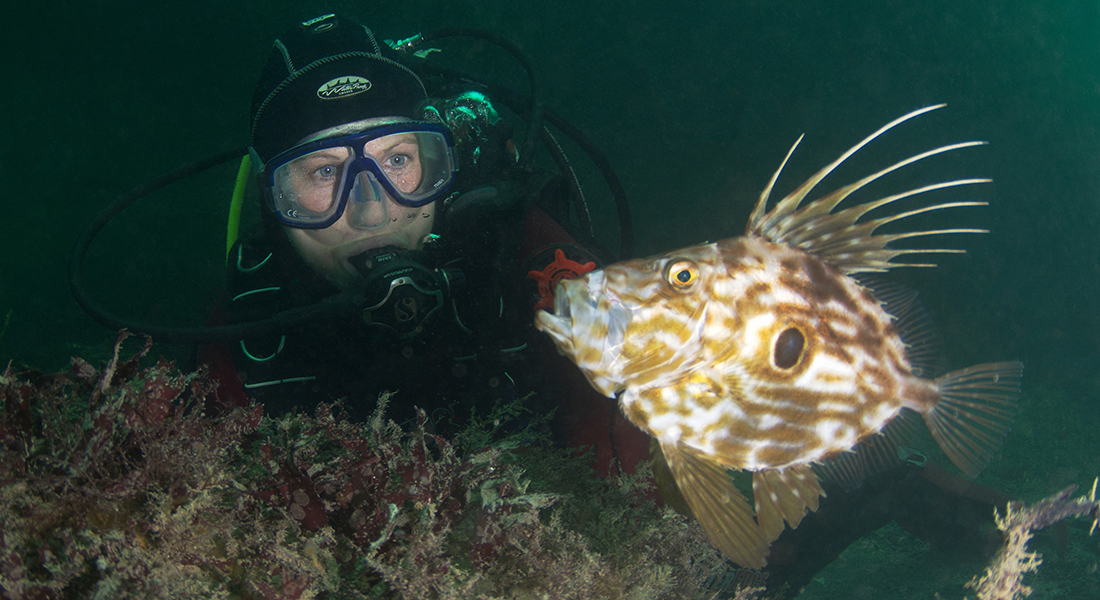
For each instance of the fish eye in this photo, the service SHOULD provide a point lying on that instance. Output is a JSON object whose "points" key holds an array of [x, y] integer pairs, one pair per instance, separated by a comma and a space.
{"points": [[682, 275], [788, 348]]}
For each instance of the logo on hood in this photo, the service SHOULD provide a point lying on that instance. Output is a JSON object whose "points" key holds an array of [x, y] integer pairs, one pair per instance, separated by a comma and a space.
{"points": [[342, 87]]}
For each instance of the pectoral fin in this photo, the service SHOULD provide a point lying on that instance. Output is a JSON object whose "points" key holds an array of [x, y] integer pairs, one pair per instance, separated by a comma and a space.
{"points": [[718, 505], [666, 482]]}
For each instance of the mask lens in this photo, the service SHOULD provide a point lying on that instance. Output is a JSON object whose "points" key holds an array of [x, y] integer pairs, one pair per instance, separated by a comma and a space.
{"points": [[307, 189], [417, 166]]}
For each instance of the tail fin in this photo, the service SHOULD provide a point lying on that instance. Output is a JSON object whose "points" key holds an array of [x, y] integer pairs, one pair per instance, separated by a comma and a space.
{"points": [[974, 413]]}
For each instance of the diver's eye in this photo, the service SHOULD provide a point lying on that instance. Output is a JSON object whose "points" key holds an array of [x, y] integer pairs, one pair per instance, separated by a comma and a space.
{"points": [[788, 348], [682, 275]]}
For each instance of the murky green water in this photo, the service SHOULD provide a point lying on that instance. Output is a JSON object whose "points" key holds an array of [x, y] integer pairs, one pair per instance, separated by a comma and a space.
{"points": [[694, 103]]}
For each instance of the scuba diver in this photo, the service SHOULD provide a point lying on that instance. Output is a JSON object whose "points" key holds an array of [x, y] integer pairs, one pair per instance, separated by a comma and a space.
{"points": [[404, 243], [423, 208]]}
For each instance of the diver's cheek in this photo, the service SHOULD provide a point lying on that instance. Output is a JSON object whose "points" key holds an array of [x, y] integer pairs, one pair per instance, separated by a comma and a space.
{"points": [[419, 226]]}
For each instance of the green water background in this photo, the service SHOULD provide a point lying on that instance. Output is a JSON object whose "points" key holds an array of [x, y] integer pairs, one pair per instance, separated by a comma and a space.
{"points": [[695, 104]]}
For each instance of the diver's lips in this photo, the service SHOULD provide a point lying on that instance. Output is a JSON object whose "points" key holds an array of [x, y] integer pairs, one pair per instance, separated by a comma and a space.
{"points": [[372, 243]]}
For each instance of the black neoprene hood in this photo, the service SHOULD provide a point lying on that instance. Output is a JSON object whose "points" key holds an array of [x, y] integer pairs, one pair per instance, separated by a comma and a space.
{"points": [[326, 72]]}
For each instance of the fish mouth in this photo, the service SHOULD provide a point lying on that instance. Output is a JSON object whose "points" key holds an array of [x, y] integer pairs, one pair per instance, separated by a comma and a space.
{"points": [[558, 324], [561, 307], [566, 326], [583, 307], [589, 326]]}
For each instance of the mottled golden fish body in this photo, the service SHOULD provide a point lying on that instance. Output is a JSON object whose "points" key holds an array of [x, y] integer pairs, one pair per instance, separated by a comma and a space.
{"points": [[763, 353], [694, 347]]}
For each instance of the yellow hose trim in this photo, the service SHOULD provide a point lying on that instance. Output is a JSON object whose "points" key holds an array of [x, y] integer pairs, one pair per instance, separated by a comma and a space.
{"points": [[233, 229]]}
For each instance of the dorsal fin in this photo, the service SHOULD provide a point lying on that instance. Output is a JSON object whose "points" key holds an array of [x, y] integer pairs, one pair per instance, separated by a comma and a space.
{"points": [[836, 236], [914, 324]]}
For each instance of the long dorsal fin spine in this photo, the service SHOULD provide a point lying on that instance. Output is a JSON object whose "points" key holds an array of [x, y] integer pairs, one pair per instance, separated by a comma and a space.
{"points": [[822, 228], [762, 203], [795, 198], [825, 205], [839, 237]]}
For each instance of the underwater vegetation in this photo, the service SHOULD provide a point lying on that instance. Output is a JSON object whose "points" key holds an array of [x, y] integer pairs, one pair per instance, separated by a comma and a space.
{"points": [[127, 481], [134, 482], [1003, 580]]}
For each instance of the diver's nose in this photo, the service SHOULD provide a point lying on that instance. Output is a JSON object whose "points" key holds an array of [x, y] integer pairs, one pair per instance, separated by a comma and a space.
{"points": [[368, 207]]}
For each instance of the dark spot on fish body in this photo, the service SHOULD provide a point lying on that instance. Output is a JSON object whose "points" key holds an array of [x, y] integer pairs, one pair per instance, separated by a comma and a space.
{"points": [[762, 365], [788, 348]]}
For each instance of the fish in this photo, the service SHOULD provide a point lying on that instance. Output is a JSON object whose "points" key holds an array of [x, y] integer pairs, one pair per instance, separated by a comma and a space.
{"points": [[767, 353]]}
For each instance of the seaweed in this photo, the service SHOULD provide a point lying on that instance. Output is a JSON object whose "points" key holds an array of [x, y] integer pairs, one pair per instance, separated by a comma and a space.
{"points": [[1003, 580], [130, 482]]}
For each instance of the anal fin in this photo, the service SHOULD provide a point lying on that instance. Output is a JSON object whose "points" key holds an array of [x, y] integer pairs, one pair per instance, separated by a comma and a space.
{"points": [[718, 505], [784, 495]]}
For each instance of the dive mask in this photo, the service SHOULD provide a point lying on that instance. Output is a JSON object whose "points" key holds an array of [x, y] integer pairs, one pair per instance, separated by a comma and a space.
{"points": [[308, 186]]}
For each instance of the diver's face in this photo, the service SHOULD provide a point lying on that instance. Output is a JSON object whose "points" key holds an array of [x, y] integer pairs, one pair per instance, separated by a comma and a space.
{"points": [[370, 220]]}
